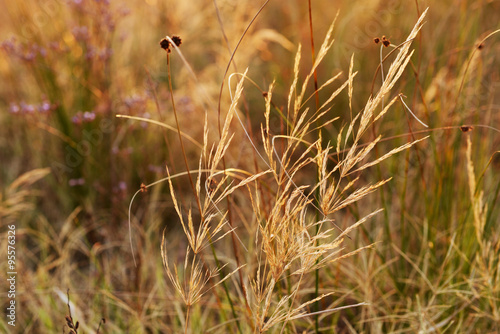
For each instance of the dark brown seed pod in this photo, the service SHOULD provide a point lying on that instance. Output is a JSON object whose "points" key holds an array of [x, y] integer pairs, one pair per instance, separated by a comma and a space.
{"points": [[212, 186], [177, 40], [69, 321], [165, 43], [466, 128]]}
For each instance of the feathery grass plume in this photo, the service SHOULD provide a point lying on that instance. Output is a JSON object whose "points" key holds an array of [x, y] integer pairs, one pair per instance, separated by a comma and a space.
{"points": [[224, 137], [286, 244], [486, 284], [17, 195], [395, 71], [479, 208], [286, 233], [192, 286], [325, 47], [367, 117], [197, 239], [193, 282]]}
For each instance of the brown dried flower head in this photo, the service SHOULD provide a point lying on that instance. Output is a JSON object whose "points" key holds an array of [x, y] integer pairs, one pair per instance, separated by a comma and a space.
{"points": [[165, 43], [466, 128], [386, 41], [212, 185]]}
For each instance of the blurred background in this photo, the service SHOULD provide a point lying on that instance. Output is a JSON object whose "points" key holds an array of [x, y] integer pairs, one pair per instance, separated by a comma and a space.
{"points": [[69, 167]]}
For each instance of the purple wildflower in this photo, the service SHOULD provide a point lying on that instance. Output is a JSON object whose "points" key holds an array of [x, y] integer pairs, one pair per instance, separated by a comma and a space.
{"points": [[88, 116], [77, 119], [122, 185], [45, 107], [81, 33], [27, 108], [14, 108], [9, 45], [76, 182]]}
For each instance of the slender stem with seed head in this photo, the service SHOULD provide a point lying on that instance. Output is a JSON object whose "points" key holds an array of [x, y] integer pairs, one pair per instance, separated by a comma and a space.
{"points": [[180, 137]]}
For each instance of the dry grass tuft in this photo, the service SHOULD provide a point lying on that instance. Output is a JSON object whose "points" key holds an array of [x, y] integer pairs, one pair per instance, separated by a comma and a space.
{"points": [[280, 186]]}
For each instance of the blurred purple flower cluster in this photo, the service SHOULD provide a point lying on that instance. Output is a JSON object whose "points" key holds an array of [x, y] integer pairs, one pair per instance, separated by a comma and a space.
{"points": [[81, 33], [25, 52], [135, 104], [186, 104], [85, 117], [99, 10], [96, 53], [23, 108], [76, 182]]}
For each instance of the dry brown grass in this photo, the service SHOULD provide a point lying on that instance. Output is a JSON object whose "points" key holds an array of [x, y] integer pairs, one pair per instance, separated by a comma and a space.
{"points": [[305, 194], [289, 242]]}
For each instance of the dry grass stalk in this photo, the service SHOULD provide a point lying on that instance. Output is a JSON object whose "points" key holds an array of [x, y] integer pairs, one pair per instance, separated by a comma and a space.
{"points": [[290, 242]]}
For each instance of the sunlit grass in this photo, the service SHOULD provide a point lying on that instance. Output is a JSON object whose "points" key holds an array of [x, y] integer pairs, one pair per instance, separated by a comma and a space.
{"points": [[367, 206]]}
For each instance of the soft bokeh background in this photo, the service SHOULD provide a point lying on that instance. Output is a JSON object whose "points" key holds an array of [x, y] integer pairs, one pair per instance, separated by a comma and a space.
{"points": [[69, 167]]}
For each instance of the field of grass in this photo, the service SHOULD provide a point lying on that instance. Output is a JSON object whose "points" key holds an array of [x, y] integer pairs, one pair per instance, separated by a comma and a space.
{"points": [[273, 166]]}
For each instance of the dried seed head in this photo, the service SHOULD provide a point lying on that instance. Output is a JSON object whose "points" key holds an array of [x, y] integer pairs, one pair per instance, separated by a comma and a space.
{"points": [[480, 46], [69, 321], [144, 188], [466, 128], [376, 40], [177, 40], [265, 94], [385, 41], [212, 186], [165, 43]]}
